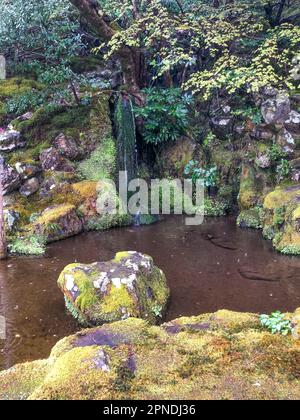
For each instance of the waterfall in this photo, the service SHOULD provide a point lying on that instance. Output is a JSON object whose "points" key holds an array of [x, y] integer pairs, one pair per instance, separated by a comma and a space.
{"points": [[126, 137]]}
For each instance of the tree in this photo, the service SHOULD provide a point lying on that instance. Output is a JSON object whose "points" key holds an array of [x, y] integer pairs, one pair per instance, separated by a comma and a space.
{"points": [[129, 56]]}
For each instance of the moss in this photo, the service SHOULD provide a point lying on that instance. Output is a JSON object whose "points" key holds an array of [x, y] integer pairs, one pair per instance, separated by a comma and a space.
{"points": [[86, 189], [281, 197], [250, 218], [101, 164], [129, 285], [296, 214], [17, 86], [105, 222], [31, 245], [222, 360], [20, 381], [53, 214], [116, 299]]}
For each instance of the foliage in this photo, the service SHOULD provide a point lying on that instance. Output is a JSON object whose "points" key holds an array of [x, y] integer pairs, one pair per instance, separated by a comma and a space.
{"points": [[32, 245], [216, 46], [214, 208], [283, 170], [276, 323], [165, 115], [40, 38], [251, 113], [208, 174], [275, 153], [28, 101]]}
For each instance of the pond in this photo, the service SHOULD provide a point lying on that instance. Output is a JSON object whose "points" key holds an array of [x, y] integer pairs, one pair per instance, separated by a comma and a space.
{"points": [[209, 267]]}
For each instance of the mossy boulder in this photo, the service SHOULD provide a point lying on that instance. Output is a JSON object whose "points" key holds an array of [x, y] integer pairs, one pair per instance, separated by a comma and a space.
{"points": [[175, 157], [225, 355], [282, 219], [296, 325], [254, 185], [250, 218], [128, 286], [58, 222]]}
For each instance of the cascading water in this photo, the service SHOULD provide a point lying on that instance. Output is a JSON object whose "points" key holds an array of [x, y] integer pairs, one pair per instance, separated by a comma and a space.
{"points": [[126, 137]]}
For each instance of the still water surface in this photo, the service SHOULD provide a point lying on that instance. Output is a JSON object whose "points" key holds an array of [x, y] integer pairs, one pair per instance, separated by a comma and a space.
{"points": [[210, 267]]}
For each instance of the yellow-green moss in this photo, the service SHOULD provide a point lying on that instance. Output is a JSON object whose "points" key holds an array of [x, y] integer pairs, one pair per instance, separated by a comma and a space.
{"points": [[53, 214], [86, 189], [20, 381], [280, 197], [118, 298], [16, 86], [296, 214], [231, 357]]}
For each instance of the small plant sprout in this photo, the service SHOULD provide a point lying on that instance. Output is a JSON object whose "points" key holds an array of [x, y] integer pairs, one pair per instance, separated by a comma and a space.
{"points": [[276, 323]]}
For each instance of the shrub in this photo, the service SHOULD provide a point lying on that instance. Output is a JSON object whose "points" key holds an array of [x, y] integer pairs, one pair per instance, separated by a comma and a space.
{"points": [[165, 115], [32, 245], [207, 174], [276, 323]]}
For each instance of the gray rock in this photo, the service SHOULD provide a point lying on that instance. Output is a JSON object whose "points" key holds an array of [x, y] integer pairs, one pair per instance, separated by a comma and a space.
{"points": [[10, 140], [263, 161], [263, 132], [66, 146], [30, 187], [27, 170], [51, 160], [277, 110], [25, 117], [222, 126], [11, 218], [286, 141], [293, 122], [11, 179]]}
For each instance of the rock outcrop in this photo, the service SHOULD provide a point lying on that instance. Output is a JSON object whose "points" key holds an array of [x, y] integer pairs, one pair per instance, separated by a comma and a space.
{"points": [[128, 286], [225, 355], [58, 222]]}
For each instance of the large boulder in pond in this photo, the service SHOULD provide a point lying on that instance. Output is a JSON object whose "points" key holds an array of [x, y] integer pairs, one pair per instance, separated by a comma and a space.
{"points": [[130, 285]]}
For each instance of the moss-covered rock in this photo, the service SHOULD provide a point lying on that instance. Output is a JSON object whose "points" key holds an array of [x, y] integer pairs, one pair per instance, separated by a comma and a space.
{"points": [[225, 355], [296, 325], [58, 222], [128, 286], [254, 185], [250, 218], [282, 219], [12, 87]]}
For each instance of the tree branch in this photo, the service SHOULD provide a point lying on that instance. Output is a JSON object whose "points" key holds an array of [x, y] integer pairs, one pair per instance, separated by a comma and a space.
{"points": [[94, 17]]}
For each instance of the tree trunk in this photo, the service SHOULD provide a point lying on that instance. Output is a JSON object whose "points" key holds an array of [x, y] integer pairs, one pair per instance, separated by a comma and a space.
{"points": [[3, 243], [127, 56]]}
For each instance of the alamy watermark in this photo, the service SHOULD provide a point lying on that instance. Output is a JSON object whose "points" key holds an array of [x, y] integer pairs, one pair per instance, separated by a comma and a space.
{"points": [[2, 328], [155, 197]]}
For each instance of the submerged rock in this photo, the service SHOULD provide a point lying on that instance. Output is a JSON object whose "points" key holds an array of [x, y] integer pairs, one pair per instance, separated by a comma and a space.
{"points": [[128, 286], [211, 356]]}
